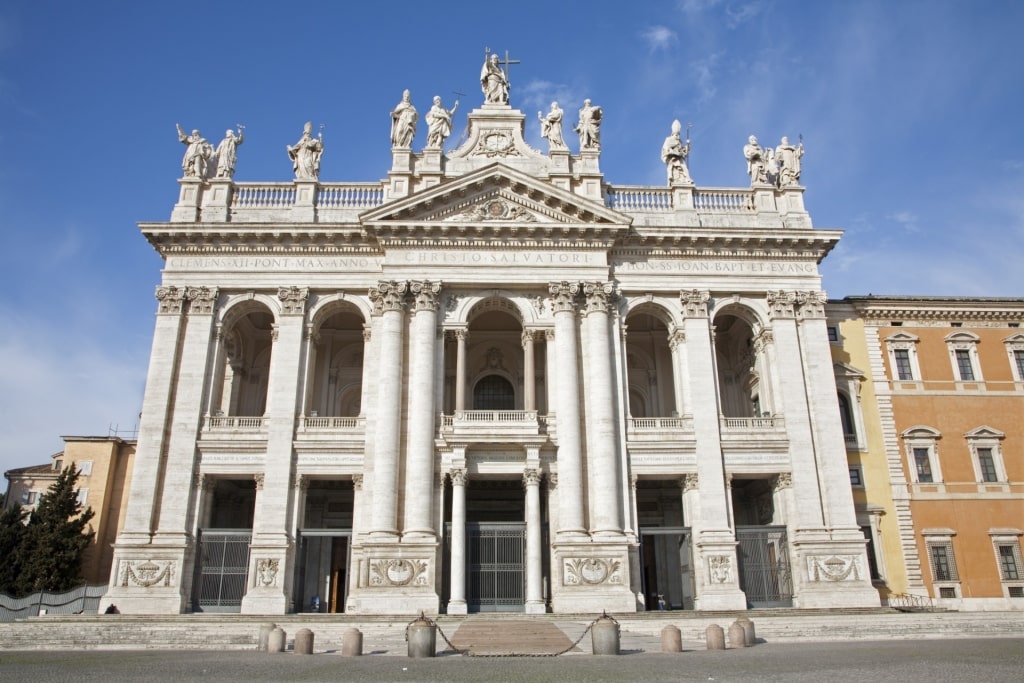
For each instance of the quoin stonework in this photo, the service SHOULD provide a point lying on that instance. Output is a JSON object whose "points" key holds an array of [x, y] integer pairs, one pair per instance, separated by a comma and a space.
{"points": [[493, 381]]}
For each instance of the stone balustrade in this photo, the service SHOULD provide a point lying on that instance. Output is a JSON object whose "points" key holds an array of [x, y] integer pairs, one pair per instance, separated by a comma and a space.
{"points": [[313, 422], [631, 198], [720, 200], [235, 422], [770, 423]]}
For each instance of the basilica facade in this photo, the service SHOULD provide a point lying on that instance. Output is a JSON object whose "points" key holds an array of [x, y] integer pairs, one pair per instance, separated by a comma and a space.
{"points": [[493, 381]]}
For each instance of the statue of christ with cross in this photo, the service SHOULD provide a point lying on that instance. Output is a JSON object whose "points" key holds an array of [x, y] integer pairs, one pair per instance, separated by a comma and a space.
{"points": [[493, 80]]}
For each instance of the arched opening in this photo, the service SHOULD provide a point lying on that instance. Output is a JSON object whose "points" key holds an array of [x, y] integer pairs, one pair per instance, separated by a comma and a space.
{"points": [[740, 369], [336, 366], [243, 367], [649, 367]]}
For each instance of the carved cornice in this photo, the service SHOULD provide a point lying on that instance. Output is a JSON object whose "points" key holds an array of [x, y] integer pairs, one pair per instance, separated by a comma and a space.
{"points": [[201, 299], [425, 295], [388, 295], [938, 312], [170, 299], [598, 296], [293, 300], [695, 302], [563, 296]]}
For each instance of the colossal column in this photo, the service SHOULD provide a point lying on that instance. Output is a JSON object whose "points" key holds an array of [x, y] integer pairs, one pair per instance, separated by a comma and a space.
{"points": [[602, 440], [419, 494], [460, 368], [271, 548], [389, 298], [715, 557], [529, 372], [567, 408]]}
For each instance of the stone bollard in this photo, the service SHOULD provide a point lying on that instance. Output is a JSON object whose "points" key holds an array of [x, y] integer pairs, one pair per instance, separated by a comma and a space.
{"points": [[422, 637], [303, 642], [604, 636], [352, 643], [737, 638], [276, 640], [671, 639], [715, 637], [265, 629], [748, 631]]}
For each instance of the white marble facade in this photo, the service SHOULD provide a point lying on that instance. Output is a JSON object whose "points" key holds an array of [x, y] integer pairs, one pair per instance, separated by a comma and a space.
{"points": [[358, 382]]}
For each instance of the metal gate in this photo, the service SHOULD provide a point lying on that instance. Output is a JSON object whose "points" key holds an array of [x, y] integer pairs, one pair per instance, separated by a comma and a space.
{"points": [[765, 576], [221, 570], [496, 577]]}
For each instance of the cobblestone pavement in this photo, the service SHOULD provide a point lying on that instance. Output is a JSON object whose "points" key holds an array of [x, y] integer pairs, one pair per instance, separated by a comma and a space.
{"points": [[932, 660]]}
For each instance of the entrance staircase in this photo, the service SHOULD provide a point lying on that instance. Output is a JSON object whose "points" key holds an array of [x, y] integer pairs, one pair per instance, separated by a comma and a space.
{"points": [[508, 632]]}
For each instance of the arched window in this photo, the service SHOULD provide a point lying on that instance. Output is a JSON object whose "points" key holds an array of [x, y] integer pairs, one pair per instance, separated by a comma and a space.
{"points": [[494, 392]]}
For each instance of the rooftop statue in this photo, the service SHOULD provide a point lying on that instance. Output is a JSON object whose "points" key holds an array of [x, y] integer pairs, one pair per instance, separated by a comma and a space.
{"points": [[589, 127], [674, 153], [227, 152], [551, 128], [305, 154], [439, 123], [403, 122], [493, 81], [757, 164], [788, 158], [197, 153]]}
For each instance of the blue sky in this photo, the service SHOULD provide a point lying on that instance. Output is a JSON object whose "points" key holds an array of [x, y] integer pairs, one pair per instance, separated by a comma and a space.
{"points": [[910, 113]]}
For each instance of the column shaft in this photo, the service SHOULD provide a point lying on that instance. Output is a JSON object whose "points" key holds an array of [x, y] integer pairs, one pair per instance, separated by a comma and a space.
{"points": [[534, 575], [570, 471], [457, 568], [460, 369], [388, 414], [529, 382]]}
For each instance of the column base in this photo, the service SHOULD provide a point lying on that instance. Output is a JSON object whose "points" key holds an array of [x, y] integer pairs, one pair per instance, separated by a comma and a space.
{"points": [[457, 607], [536, 608]]}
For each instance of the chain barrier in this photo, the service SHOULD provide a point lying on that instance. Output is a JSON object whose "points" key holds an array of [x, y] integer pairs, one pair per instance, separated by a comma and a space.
{"points": [[468, 653]]}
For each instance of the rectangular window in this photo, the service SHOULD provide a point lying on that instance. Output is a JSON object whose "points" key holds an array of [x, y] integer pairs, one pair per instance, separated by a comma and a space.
{"points": [[923, 463], [58, 465], [83, 496], [833, 333], [29, 497], [987, 465], [963, 365], [903, 370], [943, 564], [1009, 561], [856, 478], [1018, 358]]}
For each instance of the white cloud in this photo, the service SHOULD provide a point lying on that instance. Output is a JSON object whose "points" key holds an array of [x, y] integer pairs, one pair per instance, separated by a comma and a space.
{"points": [[659, 38], [737, 14], [705, 77], [906, 219]]}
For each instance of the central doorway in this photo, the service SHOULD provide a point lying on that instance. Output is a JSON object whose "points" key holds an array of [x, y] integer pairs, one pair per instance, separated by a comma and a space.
{"points": [[497, 566], [324, 547]]}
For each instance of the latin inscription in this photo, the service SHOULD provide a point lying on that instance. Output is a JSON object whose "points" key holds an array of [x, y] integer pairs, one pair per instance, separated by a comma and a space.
{"points": [[510, 258], [735, 267], [283, 263]]}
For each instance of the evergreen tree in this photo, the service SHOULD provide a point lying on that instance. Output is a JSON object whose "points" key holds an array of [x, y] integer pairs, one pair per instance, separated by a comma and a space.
{"points": [[12, 533], [56, 536]]}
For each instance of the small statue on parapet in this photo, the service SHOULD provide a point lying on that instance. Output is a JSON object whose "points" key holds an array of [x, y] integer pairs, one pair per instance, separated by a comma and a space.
{"points": [[227, 152], [403, 122], [197, 153], [674, 153], [305, 154], [439, 123], [757, 162], [493, 81], [551, 128], [788, 158], [589, 127]]}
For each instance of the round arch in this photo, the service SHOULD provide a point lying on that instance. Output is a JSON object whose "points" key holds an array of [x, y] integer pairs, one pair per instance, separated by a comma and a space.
{"points": [[333, 304]]}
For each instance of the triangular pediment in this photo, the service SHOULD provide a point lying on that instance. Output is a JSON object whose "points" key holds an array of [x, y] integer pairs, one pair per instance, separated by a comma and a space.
{"points": [[496, 195], [841, 369]]}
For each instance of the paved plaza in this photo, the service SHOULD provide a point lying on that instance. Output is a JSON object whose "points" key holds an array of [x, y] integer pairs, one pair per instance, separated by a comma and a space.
{"points": [[932, 660]]}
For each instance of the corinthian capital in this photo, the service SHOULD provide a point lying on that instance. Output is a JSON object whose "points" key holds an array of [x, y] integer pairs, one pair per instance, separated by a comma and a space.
{"points": [[425, 295], [201, 299], [782, 304], [293, 300], [563, 296], [811, 304], [388, 295], [598, 295], [170, 299], [695, 302]]}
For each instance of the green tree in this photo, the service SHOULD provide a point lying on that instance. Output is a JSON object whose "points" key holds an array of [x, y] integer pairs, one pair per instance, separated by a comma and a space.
{"points": [[12, 533], [57, 534]]}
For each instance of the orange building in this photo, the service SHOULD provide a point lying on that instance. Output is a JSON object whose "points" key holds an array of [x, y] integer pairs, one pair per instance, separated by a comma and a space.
{"points": [[948, 375], [105, 466]]}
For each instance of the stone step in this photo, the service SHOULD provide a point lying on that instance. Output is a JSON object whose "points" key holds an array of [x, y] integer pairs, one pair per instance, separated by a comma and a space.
{"points": [[515, 632]]}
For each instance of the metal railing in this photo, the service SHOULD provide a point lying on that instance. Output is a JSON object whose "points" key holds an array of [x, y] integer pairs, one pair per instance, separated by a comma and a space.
{"points": [[81, 600]]}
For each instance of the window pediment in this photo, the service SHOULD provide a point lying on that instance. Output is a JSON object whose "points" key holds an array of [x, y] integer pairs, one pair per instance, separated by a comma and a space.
{"points": [[921, 432], [984, 432]]}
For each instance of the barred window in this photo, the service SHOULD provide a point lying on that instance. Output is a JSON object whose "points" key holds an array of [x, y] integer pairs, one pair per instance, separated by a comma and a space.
{"points": [[1009, 561], [943, 562], [494, 392]]}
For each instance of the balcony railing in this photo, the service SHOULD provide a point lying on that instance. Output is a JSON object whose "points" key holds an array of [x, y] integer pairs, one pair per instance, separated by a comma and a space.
{"points": [[235, 422], [316, 423], [504, 416], [752, 423]]}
